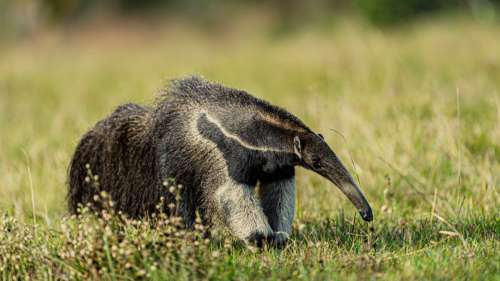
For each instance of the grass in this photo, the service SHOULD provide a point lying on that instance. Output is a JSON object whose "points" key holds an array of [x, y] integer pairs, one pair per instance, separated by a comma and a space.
{"points": [[416, 109]]}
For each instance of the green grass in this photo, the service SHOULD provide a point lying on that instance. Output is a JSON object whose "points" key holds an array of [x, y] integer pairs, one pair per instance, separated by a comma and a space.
{"points": [[416, 109]]}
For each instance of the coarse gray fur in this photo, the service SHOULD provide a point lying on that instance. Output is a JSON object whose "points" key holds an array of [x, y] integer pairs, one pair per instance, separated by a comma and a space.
{"points": [[217, 142]]}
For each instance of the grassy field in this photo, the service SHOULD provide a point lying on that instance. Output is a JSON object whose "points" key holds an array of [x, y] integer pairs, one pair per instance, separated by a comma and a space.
{"points": [[413, 112]]}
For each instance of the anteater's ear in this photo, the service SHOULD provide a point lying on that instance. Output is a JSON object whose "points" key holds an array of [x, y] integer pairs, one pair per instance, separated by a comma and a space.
{"points": [[296, 147]]}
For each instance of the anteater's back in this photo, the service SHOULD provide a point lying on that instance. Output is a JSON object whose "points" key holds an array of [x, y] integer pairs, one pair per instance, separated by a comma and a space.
{"points": [[190, 95]]}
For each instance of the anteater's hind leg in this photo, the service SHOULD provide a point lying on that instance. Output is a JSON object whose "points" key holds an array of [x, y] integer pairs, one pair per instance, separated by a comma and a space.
{"points": [[243, 213], [278, 203]]}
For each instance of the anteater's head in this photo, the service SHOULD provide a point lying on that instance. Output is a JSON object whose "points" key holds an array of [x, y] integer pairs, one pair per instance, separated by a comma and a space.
{"points": [[315, 154]]}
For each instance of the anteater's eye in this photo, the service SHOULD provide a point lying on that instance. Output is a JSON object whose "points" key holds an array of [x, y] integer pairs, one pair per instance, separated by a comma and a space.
{"points": [[321, 136], [316, 162]]}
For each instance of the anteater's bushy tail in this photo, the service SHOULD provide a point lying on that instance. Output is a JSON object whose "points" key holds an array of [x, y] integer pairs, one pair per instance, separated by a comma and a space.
{"points": [[118, 156], [81, 190]]}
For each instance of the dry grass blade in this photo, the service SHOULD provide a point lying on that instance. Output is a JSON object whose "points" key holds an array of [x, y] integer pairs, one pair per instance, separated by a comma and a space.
{"points": [[455, 232]]}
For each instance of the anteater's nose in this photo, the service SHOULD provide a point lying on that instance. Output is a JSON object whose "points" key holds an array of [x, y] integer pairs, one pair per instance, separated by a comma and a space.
{"points": [[367, 214]]}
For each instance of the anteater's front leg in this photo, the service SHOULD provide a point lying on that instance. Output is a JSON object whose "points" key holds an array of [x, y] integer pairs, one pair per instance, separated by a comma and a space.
{"points": [[278, 203], [242, 213]]}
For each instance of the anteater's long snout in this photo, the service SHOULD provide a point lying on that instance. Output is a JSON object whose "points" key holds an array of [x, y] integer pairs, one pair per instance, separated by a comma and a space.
{"points": [[339, 176], [335, 172], [352, 191]]}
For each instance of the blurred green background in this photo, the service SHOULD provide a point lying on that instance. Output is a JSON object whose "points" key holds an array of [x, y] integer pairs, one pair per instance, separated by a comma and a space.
{"points": [[22, 17]]}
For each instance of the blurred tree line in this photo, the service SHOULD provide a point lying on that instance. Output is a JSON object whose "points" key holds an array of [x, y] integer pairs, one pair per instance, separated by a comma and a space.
{"points": [[388, 12], [24, 14], [376, 11]]}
